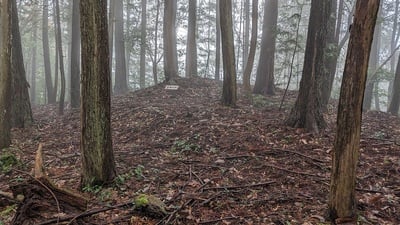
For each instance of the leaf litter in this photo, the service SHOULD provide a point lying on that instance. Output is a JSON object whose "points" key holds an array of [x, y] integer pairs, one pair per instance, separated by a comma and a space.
{"points": [[212, 164]]}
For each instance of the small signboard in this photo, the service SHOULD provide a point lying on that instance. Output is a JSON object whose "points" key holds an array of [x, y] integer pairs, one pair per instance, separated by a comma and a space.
{"points": [[171, 87]]}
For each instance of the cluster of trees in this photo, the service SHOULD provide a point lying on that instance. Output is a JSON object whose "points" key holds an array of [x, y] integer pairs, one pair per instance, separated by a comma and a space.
{"points": [[100, 28]]}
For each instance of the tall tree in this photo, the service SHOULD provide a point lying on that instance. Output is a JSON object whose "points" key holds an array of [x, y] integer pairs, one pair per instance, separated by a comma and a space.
{"points": [[111, 20], [217, 41], [246, 33], [154, 57], [21, 106], [33, 66], [395, 100], [229, 95], [121, 83], [143, 46], [51, 93], [5, 75], [342, 201], [98, 164], [75, 50], [373, 65], [307, 111], [61, 57], [265, 71], [170, 52], [191, 47], [253, 45]]}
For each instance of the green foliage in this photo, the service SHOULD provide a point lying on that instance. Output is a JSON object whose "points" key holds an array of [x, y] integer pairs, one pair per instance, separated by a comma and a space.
{"points": [[180, 146], [139, 171], [7, 212], [7, 161], [94, 189]]}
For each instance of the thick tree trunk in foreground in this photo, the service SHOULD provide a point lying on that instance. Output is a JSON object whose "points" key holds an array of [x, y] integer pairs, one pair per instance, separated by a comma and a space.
{"points": [[98, 165], [5, 75], [307, 111], [342, 201], [21, 114], [228, 54]]}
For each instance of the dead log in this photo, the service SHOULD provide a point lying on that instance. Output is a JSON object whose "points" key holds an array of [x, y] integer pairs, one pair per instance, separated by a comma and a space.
{"points": [[43, 199]]}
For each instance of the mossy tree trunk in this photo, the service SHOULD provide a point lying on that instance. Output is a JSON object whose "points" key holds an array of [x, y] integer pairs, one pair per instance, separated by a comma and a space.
{"points": [[96, 144], [5, 75], [229, 95], [342, 201]]}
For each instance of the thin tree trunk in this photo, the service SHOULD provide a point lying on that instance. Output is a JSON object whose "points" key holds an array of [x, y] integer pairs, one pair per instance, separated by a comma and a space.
{"points": [[121, 85], [60, 54], [217, 42], [395, 100], [33, 67], [111, 20], [155, 60], [191, 48], [51, 97], [75, 56], [253, 45], [246, 34], [229, 95], [342, 197], [143, 38]]}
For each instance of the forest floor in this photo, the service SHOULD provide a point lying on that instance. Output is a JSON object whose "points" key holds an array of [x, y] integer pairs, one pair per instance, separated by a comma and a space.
{"points": [[211, 164]]}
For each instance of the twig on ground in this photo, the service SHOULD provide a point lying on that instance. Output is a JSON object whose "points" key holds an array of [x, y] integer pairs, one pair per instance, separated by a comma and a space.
{"points": [[239, 186]]}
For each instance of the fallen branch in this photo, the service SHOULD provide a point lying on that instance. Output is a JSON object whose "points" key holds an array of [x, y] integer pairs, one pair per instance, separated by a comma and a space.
{"points": [[225, 218], [239, 186], [91, 212]]}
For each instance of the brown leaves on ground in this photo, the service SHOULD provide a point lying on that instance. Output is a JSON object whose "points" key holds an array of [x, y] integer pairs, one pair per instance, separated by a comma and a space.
{"points": [[212, 164]]}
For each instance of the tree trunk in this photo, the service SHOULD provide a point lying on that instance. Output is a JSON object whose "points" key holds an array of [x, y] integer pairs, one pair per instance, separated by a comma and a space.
{"points": [[246, 33], [155, 58], [60, 54], [111, 20], [395, 101], [75, 53], [393, 45], [342, 200], [265, 72], [307, 111], [170, 52], [5, 75], [51, 96], [98, 166], [121, 85], [217, 42], [143, 36], [191, 47], [253, 46], [229, 96], [373, 65], [21, 106], [33, 67]]}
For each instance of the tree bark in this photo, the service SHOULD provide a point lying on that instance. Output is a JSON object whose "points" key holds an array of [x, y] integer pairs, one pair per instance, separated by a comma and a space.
{"points": [[21, 106], [307, 111], [155, 54], [217, 42], [98, 166], [253, 46], [191, 47], [395, 101], [229, 95], [121, 85], [170, 52], [61, 57], [143, 36], [75, 53], [5, 75], [51, 96], [342, 201], [33, 67], [265, 71]]}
